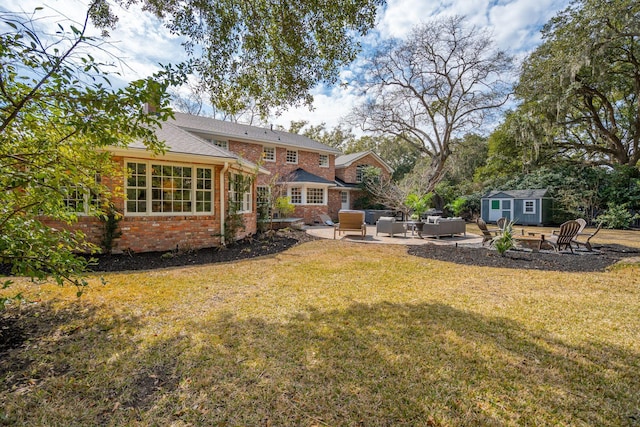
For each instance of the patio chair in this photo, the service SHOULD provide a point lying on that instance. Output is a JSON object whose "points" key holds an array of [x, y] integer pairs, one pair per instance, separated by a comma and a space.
{"points": [[582, 239], [501, 222], [487, 233], [564, 237], [350, 221], [388, 224]]}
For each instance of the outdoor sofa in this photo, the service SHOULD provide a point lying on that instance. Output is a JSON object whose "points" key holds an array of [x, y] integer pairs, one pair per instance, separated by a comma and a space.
{"points": [[390, 226], [437, 226]]}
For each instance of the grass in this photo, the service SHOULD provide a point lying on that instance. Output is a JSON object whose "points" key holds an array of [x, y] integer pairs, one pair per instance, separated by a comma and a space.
{"points": [[330, 333]]}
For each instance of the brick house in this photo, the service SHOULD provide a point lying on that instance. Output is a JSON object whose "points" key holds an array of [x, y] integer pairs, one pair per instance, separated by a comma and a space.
{"points": [[180, 199], [176, 200], [306, 168]]}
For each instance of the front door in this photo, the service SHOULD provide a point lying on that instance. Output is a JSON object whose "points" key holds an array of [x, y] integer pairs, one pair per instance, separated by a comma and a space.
{"points": [[344, 197]]}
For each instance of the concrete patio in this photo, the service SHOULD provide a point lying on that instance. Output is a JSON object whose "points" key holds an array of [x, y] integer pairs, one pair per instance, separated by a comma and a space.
{"points": [[326, 232]]}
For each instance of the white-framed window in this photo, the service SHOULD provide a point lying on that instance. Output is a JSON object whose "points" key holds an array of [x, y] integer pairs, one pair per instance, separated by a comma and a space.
{"points": [[219, 143], [263, 195], [240, 194], [315, 196], [292, 156], [269, 154], [529, 207], [204, 190], [80, 199], [295, 194], [307, 195], [156, 188], [360, 172], [323, 162]]}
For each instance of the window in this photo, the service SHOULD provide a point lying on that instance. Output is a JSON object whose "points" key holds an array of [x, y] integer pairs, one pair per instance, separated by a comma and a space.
{"points": [[264, 195], [360, 172], [495, 204], [137, 187], [79, 199], [529, 207], [324, 161], [171, 189], [240, 193], [315, 196], [159, 188], [74, 199], [292, 156], [269, 154], [204, 187], [295, 194], [219, 143]]}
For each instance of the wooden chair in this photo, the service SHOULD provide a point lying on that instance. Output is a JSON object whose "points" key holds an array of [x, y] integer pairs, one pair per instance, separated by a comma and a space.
{"points": [[350, 221], [487, 233], [582, 239], [501, 222], [564, 237]]}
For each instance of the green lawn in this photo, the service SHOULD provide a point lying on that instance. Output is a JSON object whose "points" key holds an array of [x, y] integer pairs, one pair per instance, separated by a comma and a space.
{"points": [[330, 333]]}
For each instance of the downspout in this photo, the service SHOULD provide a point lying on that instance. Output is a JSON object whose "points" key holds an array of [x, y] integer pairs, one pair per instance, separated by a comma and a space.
{"points": [[222, 204]]}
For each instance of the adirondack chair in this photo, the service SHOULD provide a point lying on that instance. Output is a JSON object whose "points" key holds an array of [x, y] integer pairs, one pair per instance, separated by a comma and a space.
{"points": [[582, 239], [564, 237], [501, 222], [487, 233]]}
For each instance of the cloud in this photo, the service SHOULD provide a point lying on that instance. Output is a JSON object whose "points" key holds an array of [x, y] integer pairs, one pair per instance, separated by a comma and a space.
{"points": [[141, 42]]}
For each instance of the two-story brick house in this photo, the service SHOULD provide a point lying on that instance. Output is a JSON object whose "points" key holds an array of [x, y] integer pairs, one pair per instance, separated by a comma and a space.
{"points": [[304, 166], [180, 199]]}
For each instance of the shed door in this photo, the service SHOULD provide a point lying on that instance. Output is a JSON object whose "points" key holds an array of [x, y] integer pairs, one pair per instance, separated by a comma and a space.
{"points": [[499, 208]]}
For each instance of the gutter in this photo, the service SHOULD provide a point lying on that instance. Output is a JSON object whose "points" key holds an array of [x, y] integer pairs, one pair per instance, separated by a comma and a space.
{"points": [[222, 204]]}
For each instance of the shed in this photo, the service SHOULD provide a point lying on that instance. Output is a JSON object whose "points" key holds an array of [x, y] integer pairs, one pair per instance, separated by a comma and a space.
{"points": [[523, 207]]}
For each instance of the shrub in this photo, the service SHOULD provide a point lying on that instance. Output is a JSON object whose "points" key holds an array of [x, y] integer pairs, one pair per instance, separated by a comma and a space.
{"points": [[504, 241], [617, 216]]}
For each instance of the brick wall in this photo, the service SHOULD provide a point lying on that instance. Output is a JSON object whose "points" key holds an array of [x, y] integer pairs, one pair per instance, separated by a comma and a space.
{"points": [[147, 233], [348, 174], [307, 160]]}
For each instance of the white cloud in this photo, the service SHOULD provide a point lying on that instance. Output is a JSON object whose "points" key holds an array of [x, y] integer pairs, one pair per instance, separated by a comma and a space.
{"points": [[514, 24], [141, 42]]}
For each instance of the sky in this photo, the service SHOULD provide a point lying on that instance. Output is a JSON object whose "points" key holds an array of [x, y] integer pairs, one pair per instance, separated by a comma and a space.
{"points": [[141, 43]]}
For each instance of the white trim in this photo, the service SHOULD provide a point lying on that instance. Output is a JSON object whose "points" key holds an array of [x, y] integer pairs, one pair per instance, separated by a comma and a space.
{"points": [[524, 206], [303, 196], [275, 155], [286, 157]]}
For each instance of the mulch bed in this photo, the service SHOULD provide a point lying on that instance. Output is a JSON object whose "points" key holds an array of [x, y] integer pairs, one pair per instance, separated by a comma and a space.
{"points": [[260, 245], [580, 261], [599, 260]]}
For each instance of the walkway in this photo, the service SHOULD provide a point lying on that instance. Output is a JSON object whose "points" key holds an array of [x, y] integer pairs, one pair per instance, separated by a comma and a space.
{"points": [[326, 232]]}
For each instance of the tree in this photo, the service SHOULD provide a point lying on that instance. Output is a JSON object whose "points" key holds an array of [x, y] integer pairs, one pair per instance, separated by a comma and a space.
{"points": [[439, 84], [582, 84], [273, 52], [58, 114]]}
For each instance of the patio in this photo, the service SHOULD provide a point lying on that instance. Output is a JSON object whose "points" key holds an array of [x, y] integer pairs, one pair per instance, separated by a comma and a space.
{"points": [[326, 232]]}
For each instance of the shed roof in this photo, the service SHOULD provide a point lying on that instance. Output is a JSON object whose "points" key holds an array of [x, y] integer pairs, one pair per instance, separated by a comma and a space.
{"points": [[518, 194]]}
